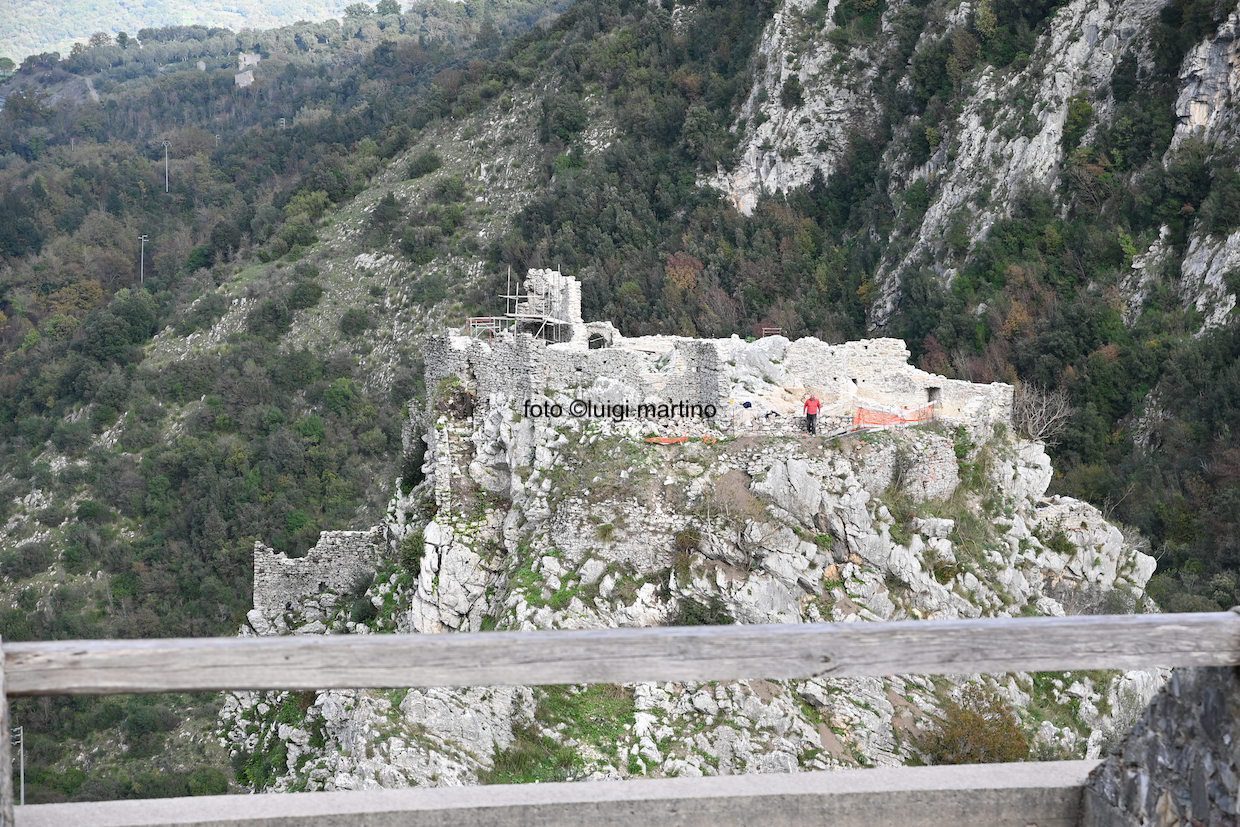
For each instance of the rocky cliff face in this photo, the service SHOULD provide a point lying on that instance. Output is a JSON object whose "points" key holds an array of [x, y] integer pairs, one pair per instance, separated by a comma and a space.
{"points": [[527, 523], [819, 90]]}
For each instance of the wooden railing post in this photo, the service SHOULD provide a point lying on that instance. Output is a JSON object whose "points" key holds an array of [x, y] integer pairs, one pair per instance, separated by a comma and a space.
{"points": [[6, 752]]}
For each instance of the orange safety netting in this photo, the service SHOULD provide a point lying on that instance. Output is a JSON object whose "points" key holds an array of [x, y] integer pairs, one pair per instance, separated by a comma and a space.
{"points": [[667, 440], [873, 416]]}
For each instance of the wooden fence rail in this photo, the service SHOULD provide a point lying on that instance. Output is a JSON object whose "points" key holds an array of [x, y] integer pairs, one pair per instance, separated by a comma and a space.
{"points": [[98, 667], [781, 651]]}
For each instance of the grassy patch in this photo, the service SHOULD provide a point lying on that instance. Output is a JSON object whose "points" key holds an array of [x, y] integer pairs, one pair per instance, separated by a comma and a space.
{"points": [[532, 758], [903, 510], [594, 716], [691, 612], [532, 584]]}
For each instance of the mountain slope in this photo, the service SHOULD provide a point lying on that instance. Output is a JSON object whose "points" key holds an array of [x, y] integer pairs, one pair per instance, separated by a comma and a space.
{"points": [[139, 469], [34, 27], [1042, 193]]}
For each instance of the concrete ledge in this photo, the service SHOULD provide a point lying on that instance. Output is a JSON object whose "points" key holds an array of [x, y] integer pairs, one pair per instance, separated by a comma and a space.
{"points": [[1046, 794]]}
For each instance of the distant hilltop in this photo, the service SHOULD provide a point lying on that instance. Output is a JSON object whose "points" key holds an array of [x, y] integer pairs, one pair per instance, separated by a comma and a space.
{"points": [[38, 26]]}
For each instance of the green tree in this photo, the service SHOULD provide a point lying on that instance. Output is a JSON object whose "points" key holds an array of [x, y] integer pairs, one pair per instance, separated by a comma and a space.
{"points": [[701, 136], [792, 95], [387, 7], [563, 116], [354, 321], [386, 213], [310, 204], [358, 10], [26, 107], [488, 36], [1080, 115], [7, 65], [1220, 212], [423, 163], [984, 19]]}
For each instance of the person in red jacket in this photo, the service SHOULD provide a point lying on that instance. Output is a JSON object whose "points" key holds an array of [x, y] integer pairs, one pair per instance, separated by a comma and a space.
{"points": [[812, 407]]}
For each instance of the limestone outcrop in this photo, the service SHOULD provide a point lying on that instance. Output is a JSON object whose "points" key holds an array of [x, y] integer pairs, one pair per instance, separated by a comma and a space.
{"points": [[543, 522], [1210, 84]]}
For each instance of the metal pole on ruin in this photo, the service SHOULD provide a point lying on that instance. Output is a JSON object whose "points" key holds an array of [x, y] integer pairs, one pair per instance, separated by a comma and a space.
{"points": [[142, 261], [165, 143]]}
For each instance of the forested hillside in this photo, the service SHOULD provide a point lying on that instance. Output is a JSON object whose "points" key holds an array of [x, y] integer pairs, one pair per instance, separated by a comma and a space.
{"points": [[129, 515], [251, 386]]}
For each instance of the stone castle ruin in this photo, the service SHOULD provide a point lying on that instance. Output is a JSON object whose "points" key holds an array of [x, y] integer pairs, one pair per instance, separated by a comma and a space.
{"points": [[543, 348], [319, 583]]}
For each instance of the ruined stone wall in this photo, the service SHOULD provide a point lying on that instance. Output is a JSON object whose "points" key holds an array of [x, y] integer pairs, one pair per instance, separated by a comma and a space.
{"points": [[336, 564], [877, 371], [756, 386], [1181, 762], [550, 293], [524, 366]]}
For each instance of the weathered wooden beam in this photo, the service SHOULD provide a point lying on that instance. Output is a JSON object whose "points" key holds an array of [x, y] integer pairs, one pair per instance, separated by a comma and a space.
{"points": [[1028, 644], [6, 752]]}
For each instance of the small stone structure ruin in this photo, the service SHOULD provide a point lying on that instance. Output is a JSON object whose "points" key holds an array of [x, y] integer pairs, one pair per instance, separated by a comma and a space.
{"points": [[754, 387], [332, 570], [246, 61]]}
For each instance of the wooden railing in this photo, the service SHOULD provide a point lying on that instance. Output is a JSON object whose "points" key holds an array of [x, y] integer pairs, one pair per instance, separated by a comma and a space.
{"points": [[703, 653]]}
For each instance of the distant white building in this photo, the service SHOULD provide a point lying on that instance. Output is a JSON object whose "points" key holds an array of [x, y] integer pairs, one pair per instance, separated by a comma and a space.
{"points": [[247, 59], [202, 65], [244, 79]]}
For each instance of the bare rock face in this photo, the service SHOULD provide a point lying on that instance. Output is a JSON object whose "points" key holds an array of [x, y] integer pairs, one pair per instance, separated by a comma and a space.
{"points": [[790, 136], [1026, 472], [1208, 265], [816, 91], [1210, 84], [379, 740]]}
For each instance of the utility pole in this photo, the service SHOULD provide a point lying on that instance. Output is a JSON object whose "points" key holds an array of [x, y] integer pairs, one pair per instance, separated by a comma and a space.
{"points": [[19, 741], [142, 261], [165, 143]]}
